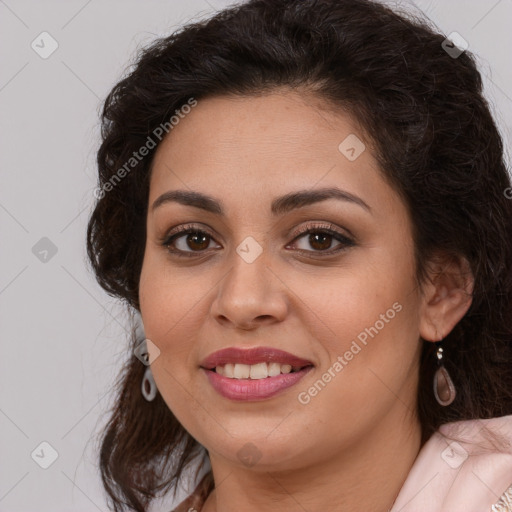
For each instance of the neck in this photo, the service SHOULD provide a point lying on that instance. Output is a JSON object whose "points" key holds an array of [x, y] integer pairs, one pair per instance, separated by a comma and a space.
{"points": [[368, 475]]}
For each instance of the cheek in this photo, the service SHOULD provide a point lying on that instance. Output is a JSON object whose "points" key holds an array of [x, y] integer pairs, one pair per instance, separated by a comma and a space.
{"points": [[371, 366], [168, 303], [367, 324], [368, 295], [171, 311], [167, 293]]}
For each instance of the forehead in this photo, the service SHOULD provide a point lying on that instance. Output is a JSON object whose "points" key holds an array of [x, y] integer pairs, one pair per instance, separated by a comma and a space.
{"points": [[264, 146], [279, 121]]}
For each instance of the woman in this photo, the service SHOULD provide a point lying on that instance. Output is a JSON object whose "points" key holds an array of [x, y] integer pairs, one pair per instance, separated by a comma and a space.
{"points": [[307, 203]]}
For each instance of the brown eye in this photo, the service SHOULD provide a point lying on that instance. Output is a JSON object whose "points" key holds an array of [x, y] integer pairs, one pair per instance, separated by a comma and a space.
{"points": [[188, 241], [197, 241], [319, 239]]}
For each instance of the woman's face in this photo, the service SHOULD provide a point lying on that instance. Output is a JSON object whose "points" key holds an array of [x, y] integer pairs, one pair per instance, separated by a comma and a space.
{"points": [[342, 298]]}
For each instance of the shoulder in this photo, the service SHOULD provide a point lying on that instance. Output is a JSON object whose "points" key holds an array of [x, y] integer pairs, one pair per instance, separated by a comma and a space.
{"points": [[466, 466]]}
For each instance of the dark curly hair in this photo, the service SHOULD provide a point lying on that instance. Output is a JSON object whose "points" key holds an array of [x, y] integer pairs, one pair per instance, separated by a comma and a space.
{"points": [[433, 136]]}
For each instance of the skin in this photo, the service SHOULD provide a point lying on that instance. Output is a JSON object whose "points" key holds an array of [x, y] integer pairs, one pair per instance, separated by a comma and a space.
{"points": [[352, 446]]}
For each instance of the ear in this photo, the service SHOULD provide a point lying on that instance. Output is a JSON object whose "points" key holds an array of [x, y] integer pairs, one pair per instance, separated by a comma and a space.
{"points": [[446, 295]]}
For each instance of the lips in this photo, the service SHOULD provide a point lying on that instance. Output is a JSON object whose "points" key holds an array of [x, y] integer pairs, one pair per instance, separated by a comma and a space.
{"points": [[251, 356], [249, 390], [253, 374]]}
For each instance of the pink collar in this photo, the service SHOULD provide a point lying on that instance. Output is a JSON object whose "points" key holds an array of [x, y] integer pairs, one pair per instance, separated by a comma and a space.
{"points": [[466, 475]]}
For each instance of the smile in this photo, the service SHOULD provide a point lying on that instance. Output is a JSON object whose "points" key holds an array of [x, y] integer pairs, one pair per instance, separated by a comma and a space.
{"points": [[253, 374]]}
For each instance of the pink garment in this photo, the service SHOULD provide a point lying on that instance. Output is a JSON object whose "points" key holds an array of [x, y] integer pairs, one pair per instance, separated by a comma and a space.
{"points": [[469, 474]]}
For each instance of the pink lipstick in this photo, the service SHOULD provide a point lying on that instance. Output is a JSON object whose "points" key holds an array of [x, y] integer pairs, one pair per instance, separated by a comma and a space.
{"points": [[253, 374]]}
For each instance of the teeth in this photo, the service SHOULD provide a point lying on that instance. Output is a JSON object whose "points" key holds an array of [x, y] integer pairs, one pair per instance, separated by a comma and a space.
{"points": [[241, 371], [274, 369], [228, 370], [286, 368], [253, 371], [258, 371]]}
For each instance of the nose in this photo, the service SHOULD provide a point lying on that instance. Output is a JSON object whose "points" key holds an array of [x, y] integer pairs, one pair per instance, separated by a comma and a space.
{"points": [[250, 295]]}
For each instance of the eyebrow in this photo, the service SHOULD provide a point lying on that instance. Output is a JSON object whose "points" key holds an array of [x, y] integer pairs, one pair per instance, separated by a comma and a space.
{"points": [[280, 205]]}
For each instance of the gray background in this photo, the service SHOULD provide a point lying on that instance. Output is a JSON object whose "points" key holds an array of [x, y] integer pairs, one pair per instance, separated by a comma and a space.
{"points": [[63, 338]]}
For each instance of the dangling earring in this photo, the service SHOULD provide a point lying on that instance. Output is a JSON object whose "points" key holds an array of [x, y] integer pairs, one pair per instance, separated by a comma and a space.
{"points": [[444, 390], [148, 387]]}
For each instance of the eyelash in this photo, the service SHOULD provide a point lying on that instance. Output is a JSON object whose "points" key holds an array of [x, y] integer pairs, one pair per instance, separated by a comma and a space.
{"points": [[325, 229]]}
